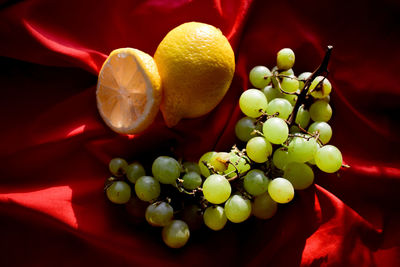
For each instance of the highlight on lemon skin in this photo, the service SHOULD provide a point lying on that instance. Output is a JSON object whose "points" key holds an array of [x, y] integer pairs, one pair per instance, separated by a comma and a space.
{"points": [[128, 91]]}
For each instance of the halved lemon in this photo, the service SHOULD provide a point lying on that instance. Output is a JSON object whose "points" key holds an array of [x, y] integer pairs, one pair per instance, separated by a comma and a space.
{"points": [[128, 91]]}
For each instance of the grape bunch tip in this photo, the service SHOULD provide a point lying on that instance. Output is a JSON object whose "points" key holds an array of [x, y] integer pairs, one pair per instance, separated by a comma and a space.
{"points": [[282, 139]]}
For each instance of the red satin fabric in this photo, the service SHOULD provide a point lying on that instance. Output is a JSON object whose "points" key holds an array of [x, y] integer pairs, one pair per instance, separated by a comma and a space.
{"points": [[55, 148]]}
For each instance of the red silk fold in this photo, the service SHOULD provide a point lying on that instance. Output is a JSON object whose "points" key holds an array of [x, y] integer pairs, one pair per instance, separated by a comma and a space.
{"points": [[54, 147]]}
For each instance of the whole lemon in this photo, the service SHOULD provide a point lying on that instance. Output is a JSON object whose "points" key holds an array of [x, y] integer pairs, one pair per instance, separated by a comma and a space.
{"points": [[196, 65]]}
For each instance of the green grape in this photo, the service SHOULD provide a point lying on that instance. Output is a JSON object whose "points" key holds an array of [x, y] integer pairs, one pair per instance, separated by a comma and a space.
{"points": [[283, 72], [220, 161], [205, 158], [299, 174], [324, 129], [263, 207], [290, 85], [320, 110], [288, 72], [216, 189], [258, 149], [294, 129], [302, 149], [252, 101], [272, 93], [259, 76], [192, 215], [280, 158], [119, 192], [166, 169], [302, 77], [255, 182], [285, 59], [117, 166], [291, 98], [191, 180], [176, 234], [302, 117], [328, 159], [245, 127], [136, 209], [281, 190], [215, 218], [147, 188], [134, 171], [159, 213], [280, 105], [311, 161], [326, 98], [237, 163], [237, 208], [189, 166], [275, 130], [319, 88]]}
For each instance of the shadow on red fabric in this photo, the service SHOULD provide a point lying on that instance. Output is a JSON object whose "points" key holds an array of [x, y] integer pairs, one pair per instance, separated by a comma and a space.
{"points": [[55, 148]]}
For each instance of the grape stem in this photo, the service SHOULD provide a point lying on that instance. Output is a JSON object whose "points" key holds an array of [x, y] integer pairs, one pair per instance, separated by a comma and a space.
{"points": [[322, 69]]}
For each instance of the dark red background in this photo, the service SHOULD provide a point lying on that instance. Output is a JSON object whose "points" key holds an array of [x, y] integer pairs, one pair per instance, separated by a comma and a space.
{"points": [[55, 148]]}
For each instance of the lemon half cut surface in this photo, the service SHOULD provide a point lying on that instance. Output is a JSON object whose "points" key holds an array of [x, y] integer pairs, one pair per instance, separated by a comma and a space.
{"points": [[128, 91]]}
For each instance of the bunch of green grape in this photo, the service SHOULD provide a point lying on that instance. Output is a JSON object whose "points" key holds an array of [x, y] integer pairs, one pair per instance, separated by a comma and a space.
{"points": [[282, 140]]}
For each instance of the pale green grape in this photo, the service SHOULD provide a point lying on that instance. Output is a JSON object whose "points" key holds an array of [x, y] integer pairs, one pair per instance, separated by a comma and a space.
{"points": [[205, 158], [245, 127], [326, 98], [119, 192], [324, 129], [290, 85], [328, 159], [283, 72], [215, 218], [285, 59], [166, 169], [237, 208], [147, 188], [258, 149], [159, 213], [134, 171], [319, 88], [280, 105], [275, 130], [272, 93], [241, 164], [176, 234], [255, 182], [302, 149], [260, 76], [288, 72], [294, 129], [291, 98], [263, 207], [252, 102], [302, 77], [281, 190], [220, 161], [311, 161], [189, 166], [192, 215], [280, 158], [191, 180], [320, 110], [299, 174], [302, 117], [216, 189], [117, 166]]}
